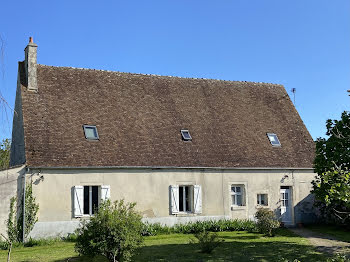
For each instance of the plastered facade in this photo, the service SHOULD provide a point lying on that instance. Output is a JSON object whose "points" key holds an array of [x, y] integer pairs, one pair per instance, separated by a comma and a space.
{"points": [[10, 186], [149, 188]]}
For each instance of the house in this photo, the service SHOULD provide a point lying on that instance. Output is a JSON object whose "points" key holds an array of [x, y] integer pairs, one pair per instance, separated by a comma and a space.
{"points": [[183, 149]]}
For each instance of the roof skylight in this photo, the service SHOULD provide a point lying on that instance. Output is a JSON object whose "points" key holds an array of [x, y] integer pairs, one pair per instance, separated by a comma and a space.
{"points": [[90, 132], [273, 139], [186, 135]]}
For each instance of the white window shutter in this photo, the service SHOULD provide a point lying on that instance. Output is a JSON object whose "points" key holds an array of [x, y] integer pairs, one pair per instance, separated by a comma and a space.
{"points": [[78, 201], [174, 199], [105, 192], [197, 196]]}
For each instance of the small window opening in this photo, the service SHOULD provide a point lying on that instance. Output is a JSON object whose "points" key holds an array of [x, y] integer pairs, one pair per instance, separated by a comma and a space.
{"points": [[273, 139], [186, 135], [90, 132], [90, 199], [262, 200]]}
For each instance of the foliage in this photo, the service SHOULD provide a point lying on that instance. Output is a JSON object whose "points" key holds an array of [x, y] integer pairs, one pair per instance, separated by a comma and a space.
{"points": [[334, 151], [11, 222], [14, 222], [5, 147], [207, 241], [338, 258], [332, 192], [31, 211], [332, 161], [266, 221], [113, 232], [200, 226]]}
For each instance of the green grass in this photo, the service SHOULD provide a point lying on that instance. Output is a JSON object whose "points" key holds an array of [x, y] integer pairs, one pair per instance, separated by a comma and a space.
{"points": [[238, 246], [338, 232]]}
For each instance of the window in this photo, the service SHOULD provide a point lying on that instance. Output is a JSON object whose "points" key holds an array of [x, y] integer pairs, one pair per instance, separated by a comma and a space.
{"points": [[273, 139], [262, 200], [186, 135], [88, 198], [236, 195], [185, 199], [90, 132]]}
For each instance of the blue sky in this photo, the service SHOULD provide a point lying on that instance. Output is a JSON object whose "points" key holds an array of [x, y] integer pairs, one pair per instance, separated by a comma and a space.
{"points": [[300, 44]]}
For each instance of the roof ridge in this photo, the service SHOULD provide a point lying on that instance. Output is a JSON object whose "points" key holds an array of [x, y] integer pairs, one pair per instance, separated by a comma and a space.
{"points": [[142, 74]]}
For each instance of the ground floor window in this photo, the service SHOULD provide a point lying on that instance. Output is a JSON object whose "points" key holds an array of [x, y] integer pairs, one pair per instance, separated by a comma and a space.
{"points": [[90, 199], [185, 199], [262, 200], [87, 199], [237, 195]]}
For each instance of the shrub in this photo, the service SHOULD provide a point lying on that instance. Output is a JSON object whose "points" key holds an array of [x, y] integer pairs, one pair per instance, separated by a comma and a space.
{"points": [[266, 221], [113, 232], [207, 241], [200, 226]]}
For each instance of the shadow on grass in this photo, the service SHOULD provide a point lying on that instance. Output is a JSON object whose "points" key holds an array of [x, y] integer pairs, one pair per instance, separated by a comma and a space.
{"points": [[231, 251], [240, 247]]}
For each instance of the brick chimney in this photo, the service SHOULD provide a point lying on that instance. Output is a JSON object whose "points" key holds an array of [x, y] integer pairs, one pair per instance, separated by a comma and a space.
{"points": [[31, 65]]}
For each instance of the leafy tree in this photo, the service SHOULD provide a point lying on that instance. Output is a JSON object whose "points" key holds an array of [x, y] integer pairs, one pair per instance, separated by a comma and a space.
{"points": [[5, 147], [113, 232], [332, 192], [334, 152], [332, 162]]}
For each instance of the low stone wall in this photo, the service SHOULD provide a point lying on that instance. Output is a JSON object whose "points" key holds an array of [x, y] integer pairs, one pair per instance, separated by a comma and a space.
{"points": [[10, 181]]}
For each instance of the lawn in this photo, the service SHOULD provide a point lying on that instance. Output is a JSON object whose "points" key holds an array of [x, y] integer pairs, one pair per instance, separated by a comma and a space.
{"points": [[339, 233], [238, 246]]}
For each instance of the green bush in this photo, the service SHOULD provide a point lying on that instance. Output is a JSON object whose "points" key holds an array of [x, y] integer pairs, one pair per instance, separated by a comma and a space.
{"points": [[113, 232], [266, 221], [207, 241], [200, 226]]}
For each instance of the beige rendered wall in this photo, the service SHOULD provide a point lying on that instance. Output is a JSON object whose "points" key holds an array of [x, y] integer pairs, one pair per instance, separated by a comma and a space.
{"points": [[150, 189], [10, 184]]}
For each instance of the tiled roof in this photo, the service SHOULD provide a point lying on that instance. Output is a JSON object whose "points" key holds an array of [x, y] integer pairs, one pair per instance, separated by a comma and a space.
{"points": [[139, 118]]}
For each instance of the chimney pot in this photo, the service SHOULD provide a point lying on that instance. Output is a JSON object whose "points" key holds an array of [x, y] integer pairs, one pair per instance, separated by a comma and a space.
{"points": [[30, 39]]}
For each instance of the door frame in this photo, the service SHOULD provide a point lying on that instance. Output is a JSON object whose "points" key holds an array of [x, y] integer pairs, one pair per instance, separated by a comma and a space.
{"points": [[289, 189]]}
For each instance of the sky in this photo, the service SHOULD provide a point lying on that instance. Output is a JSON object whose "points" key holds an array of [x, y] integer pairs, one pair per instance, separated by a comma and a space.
{"points": [[299, 44]]}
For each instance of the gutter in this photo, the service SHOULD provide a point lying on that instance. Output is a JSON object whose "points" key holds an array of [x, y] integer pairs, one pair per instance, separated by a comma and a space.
{"points": [[173, 167]]}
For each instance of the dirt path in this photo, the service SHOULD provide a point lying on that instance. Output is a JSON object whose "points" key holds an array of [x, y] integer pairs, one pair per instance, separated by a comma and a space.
{"points": [[323, 243]]}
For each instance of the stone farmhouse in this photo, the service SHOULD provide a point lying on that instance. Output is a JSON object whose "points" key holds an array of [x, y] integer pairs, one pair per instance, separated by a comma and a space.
{"points": [[183, 149]]}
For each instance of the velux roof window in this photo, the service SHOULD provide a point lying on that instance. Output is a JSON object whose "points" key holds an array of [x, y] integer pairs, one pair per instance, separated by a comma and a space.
{"points": [[90, 132], [186, 135], [273, 139]]}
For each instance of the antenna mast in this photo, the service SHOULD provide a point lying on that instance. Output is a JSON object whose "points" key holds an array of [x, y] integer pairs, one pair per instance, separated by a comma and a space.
{"points": [[294, 90]]}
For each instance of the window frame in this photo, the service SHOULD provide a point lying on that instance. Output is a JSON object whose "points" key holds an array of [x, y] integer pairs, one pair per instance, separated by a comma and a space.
{"points": [[271, 142], [90, 199], [235, 193], [191, 199], [183, 136], [258, 199], [85, 127]]}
